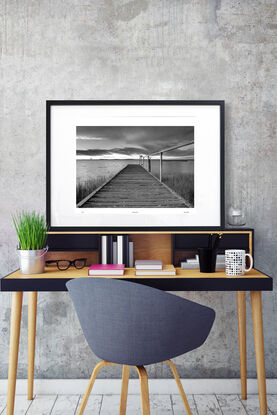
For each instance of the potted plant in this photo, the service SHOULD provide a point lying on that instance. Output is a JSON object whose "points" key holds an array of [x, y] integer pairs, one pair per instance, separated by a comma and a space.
{"points": [[32, 231]]}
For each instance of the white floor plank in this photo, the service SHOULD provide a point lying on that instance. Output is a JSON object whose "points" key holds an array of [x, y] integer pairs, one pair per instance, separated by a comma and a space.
{"points": [[231, 405], [93, 406], [3, 401], [133, 405], [272, 403], [178, 406], [42, 405], [110, 405], [21, 405], [65, 405], [160, 404], [252, 405], [207, 405]]}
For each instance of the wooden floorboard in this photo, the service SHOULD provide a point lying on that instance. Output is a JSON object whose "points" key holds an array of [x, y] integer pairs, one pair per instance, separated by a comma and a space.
{"points": [[159, 405], [231, 405], [134, 187]]}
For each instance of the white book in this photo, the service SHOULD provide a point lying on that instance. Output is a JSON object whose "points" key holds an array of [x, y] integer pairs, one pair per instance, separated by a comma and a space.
{"points": [[104, 249], [114, 252], [167, 270], [148, 264], [187, 265], [120, 249], [131, 254], [192, 260]]}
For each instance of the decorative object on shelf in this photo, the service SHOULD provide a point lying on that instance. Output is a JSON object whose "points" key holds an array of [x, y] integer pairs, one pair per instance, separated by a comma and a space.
{"points": [[64, 264], [193, 263], [207, 256], [207, 259], [31, 230], [117, 165], [235, 262], [236, 216]]}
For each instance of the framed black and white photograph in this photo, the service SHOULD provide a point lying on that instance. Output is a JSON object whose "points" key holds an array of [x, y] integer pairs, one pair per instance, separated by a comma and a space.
{"points": [[134, 165]]}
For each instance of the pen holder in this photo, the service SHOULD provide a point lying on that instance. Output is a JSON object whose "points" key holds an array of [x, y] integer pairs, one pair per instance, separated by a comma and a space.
{"points": [[207, 259]]}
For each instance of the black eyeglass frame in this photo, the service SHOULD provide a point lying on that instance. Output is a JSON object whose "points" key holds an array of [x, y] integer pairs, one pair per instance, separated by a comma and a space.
{"points": [[70, 262]]}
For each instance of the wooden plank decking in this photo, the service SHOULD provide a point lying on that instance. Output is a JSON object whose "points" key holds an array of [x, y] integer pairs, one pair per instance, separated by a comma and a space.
{"points": [[134, 187]]}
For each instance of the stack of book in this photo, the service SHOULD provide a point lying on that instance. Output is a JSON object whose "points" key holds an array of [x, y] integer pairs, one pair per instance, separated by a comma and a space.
{"points": [[153, 267], [193, 263], [106, 269], [116, 250]]}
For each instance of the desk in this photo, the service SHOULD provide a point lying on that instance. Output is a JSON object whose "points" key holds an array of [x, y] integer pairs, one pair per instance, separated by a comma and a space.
{"points": [[185, 280]]}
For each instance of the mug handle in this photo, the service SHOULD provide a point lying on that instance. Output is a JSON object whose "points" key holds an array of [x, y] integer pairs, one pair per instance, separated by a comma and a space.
{"points": [[251, 262]]}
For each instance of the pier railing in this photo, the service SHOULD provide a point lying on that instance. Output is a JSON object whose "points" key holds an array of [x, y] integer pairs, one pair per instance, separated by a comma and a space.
{"points": [[147, 158]]}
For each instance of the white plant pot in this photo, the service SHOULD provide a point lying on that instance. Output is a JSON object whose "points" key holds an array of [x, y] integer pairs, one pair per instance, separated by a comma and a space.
{"points": [[33, 261]]}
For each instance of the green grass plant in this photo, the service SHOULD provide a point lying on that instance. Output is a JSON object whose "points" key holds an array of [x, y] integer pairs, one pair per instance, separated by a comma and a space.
{"points": [[31, 230], [183, 184], [83, 189]]}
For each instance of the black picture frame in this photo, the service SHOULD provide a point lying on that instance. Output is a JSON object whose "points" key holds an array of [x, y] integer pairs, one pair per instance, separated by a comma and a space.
{"points": [[103, 229]]}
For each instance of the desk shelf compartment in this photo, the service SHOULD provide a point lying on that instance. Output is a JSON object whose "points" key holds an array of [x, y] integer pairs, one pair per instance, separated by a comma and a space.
{"points": [[185, 245]]}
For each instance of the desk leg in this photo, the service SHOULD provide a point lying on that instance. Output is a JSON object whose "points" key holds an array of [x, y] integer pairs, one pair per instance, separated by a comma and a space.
{"points": [[241, 307], [14, 344], [32, 316], [257, 316]]}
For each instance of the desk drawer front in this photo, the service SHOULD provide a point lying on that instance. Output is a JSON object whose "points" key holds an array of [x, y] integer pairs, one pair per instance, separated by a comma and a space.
{"points": [[194, 241]]}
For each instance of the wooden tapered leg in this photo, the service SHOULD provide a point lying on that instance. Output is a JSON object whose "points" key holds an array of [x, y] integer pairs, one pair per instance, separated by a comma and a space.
{"points": [[257, 316], [14, 344], [124, 389], [95, 372], [180, 386], [241, 310], [32, 317], [144, 392]]}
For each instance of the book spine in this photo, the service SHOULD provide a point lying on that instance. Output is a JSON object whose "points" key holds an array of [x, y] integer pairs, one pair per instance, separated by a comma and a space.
{"points": [[114, 252], [120, 249], [104, 249], [109, 249], [126, 250], [100, 249], [131, 255]]}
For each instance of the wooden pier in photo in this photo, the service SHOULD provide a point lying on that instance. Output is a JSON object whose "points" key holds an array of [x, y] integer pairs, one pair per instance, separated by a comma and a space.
{"points": [[133, 187]]}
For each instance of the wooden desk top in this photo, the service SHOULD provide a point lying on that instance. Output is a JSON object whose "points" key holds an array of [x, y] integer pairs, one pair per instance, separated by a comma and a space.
{"points": [[185, 280]]}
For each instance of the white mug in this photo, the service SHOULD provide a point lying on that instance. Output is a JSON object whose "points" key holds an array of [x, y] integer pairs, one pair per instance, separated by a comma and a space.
{"points": [[235, 262]]}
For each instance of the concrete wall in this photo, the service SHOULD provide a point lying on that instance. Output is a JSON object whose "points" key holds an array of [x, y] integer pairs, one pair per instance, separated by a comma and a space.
{"points": [[140, 49]]}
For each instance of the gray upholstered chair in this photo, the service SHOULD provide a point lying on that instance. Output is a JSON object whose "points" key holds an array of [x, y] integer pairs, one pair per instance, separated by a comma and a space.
{"points": [[135, 325]]}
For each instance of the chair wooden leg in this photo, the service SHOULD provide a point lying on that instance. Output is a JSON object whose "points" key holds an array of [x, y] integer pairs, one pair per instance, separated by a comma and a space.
{"points": [[180, 387], [95, 372], [124, 389], [144, 392], [32, 316]]}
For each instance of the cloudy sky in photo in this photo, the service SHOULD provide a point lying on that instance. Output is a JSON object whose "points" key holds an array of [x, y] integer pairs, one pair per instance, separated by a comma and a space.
{"points": [[131, 142]]}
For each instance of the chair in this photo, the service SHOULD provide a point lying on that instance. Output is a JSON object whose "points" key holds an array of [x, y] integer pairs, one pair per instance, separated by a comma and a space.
{"points": [[134, 325]]}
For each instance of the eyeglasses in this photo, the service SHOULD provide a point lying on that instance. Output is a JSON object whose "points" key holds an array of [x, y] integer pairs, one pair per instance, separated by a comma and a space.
{"points": [[64, 264]]}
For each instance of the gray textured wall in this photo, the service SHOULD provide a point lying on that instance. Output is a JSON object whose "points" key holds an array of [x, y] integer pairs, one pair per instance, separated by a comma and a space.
{"points": [[140, 49]]}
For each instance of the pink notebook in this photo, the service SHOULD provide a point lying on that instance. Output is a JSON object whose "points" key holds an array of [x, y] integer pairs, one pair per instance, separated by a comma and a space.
{"points": [[109, 269]]}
